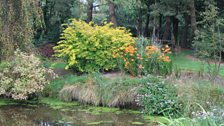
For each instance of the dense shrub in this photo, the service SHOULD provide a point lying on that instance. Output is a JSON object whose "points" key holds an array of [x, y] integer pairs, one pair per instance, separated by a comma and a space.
{"points": [[158, 98], [23, 76], [146, 59], [89, 47]]}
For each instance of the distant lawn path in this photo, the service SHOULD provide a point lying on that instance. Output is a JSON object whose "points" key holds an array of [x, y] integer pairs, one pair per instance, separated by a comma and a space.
{"points": [[184, 61]]}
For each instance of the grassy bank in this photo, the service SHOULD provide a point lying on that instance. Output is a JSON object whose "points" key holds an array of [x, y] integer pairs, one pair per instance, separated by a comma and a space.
{"points": [[95, 89], [73, 88], [122, 91]]}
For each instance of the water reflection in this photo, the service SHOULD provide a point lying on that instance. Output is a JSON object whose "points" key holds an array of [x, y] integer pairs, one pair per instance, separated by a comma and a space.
{"points": [[44, 116]]}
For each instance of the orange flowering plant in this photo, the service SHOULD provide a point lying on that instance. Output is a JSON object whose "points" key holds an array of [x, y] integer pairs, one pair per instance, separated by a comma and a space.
{"points": [[143, 60]]}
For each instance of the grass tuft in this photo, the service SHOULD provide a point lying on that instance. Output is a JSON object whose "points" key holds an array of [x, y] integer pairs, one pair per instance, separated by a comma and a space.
{"points": [[98, 90]]}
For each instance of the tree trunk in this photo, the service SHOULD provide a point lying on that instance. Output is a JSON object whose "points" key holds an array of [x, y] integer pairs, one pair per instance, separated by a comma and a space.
{"points": [[147, 26], [112, 15], [185, 39], [167, 33], [89, 11], [193, 17], [139, 28], [160, 26], [175, 30]]}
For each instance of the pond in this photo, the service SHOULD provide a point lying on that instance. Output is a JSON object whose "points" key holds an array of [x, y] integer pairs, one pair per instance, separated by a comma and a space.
{"points": [[42, 115]]}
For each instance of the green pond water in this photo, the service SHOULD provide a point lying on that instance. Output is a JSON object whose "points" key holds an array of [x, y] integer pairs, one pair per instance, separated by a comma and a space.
{"points": [[42, 115]]}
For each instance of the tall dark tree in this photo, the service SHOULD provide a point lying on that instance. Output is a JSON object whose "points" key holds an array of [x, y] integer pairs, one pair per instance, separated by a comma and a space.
{"points": [[57, 12], [112, 14], [140, 23], [167, 33], [89, 11], [193, 16], [175, 30], [185, 36]]}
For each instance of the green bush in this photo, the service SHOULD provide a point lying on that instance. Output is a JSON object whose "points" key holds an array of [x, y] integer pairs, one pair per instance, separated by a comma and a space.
{"points": [[159, 98], [23, 76], [89, 47]]}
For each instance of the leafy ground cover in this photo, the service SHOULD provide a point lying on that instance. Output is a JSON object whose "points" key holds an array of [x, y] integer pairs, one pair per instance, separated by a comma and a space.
{"points": [[54, 64], [57, 104], [6, 102]]}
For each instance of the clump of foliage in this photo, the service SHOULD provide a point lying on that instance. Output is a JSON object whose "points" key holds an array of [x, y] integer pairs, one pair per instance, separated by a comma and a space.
{"points": [[148, 59], [209, 39], [52, 90], [201, 92], [203, 119], [85, 93], [98, 90], [90, 47], [216, 114], [23, 76], [158, 97]]}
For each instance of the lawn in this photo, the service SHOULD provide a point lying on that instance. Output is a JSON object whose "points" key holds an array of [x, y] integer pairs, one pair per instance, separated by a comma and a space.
{"points": [[185, 63]]}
